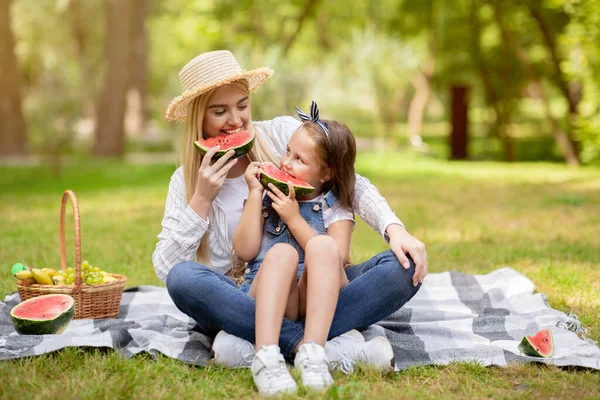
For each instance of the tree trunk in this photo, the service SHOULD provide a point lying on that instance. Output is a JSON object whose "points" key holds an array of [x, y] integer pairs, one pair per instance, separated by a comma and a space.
{"points": [[137, 112], [492, 97], [420, 81], [563, 141], [570, 90], [306, 12], [13, 128], [459, 137], [110, 133]]}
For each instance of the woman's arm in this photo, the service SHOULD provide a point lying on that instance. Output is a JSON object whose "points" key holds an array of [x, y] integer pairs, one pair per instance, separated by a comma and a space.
{"points": [[181, 231]]}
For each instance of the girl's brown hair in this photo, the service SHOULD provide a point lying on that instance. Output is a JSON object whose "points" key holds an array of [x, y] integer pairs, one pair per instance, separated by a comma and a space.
{"points": [[336, 151]]}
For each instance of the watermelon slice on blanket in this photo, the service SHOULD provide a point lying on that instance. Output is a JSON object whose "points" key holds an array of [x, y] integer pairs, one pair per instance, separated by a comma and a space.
{"points": [[43, 315], [242, 142], [540, 345], [269, 173]]}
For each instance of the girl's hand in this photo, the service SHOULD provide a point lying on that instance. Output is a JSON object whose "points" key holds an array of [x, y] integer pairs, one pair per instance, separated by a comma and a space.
{"points": [[252, 176], [286, 206], [211, 177]]}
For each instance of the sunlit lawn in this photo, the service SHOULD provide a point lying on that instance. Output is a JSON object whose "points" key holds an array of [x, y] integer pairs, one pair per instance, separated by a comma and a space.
{"points": [[541, 219]]}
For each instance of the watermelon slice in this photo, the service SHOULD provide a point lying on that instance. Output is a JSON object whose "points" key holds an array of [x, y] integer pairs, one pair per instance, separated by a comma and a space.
{"points": [[540, 345], [43, 315], [269, 173], [242, 142]]}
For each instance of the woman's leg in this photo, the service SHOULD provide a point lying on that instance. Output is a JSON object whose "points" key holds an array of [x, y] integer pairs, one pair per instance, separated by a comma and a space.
{"points": [[319, 287], [215, 303], [274, 289], [377, 288]]}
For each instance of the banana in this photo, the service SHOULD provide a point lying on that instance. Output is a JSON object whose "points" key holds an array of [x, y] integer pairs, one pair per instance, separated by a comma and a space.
{"points": [[50, 271], [59, 280], [25, 276], [41, 277]]}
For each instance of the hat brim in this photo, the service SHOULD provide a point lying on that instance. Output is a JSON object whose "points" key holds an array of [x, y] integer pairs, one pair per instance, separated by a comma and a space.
{"points": [[178, 107]]}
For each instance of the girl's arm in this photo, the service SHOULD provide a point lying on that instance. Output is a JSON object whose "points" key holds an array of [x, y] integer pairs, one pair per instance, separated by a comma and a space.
{"points": [[247, 237], [341, 231]]}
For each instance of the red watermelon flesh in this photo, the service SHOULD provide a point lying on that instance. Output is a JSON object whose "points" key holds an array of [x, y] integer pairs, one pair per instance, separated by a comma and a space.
{"points": [[47, 314], [540, 345], [269, 173], [242, 142]]}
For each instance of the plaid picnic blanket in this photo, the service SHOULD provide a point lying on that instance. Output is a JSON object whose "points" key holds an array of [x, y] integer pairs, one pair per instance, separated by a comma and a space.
{"points": [[454, 317]]}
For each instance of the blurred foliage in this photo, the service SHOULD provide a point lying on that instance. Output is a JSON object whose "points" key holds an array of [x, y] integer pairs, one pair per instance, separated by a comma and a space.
{"points": [[357, 61]]}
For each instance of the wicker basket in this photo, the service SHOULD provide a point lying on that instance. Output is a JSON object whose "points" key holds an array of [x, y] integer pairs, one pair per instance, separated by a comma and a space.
{"points": [[91, 301]]}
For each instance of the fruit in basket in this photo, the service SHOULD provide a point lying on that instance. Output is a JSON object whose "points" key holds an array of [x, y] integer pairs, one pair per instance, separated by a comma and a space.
{"points": [[43, 315], [50, 271], [25, 276], [41, 277], [18, 267]]}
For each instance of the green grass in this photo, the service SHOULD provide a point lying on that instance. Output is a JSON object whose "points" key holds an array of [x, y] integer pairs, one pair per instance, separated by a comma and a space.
{"points": [[541, 219]]}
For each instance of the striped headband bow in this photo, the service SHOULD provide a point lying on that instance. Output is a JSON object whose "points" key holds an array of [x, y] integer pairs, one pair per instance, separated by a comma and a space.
{"points": [[314, 116]]}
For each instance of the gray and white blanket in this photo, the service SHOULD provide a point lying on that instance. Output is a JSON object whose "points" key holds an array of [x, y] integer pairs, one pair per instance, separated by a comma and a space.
{"points": [[454, 317]]}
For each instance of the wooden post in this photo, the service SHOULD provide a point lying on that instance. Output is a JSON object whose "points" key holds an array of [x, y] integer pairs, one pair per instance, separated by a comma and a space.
{"points": [[459, 137]]}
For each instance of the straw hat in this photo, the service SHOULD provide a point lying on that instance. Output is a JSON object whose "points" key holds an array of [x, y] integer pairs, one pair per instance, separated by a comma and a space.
{"points": [[208, 71]]}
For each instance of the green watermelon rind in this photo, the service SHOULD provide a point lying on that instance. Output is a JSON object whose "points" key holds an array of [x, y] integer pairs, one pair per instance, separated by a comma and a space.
{"points": [[240, 151], [283, 186], [56, 325], [527, 348]]}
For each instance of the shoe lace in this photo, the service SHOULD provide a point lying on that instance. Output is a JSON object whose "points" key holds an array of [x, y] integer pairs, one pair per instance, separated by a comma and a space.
{"points": [[275, 373], [349, 357], [315, 367]]}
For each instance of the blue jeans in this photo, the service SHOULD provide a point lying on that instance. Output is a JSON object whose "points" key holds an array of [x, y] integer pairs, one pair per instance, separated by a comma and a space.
{"points": [[378, 288]]}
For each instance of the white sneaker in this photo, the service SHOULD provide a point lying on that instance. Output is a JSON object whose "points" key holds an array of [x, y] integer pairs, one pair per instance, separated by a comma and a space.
{"points": [[311, 360], [231, 351], [270, 373], [348, 350]]}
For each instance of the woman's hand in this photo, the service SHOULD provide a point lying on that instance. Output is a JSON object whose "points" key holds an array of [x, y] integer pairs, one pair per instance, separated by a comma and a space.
{"points": [[286, 206], [252, 176], [210, 180], [402, 242]]}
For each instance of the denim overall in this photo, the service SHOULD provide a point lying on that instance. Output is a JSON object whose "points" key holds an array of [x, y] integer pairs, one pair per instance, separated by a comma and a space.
{"points": [[276, 231]]}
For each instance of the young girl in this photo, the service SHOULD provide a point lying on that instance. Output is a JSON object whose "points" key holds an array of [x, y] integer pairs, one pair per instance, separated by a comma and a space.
{"points": [[297, 249]]}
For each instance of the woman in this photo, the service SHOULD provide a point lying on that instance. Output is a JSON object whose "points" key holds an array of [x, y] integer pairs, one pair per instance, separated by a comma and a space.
{"points": [[215, 101]]}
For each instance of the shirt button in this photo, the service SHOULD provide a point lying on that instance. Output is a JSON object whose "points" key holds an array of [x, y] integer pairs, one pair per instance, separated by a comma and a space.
{"points": [[277, 229], [247, 270], [316, 207], [265, 214]]}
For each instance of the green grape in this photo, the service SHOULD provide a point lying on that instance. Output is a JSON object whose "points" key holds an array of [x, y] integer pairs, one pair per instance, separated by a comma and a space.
{"points": [[70, 270], [70, 280], [96, 269]]}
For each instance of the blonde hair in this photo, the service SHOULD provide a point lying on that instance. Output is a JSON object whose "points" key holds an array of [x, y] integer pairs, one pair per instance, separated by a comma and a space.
{"points": [[191, 160]]}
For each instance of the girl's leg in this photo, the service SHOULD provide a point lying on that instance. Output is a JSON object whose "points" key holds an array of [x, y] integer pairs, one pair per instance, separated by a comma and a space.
{"points": [[272, 286], [319, 287]]}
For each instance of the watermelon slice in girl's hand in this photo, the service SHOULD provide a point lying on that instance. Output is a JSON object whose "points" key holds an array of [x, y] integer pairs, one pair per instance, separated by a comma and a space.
{"points": [[269, 173], [540, 345], [241, 142]]}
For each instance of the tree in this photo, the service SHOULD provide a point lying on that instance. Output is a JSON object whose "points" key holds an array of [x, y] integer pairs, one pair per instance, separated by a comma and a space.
{"points": [[110, 132], [13, 129]]}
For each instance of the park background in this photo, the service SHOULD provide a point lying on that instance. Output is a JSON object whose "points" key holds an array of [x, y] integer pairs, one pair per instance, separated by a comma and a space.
{"points": [[477, 119]]}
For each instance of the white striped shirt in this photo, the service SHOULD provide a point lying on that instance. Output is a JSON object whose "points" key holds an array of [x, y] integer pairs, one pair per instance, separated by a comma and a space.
{"points": [[182, 228]]}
